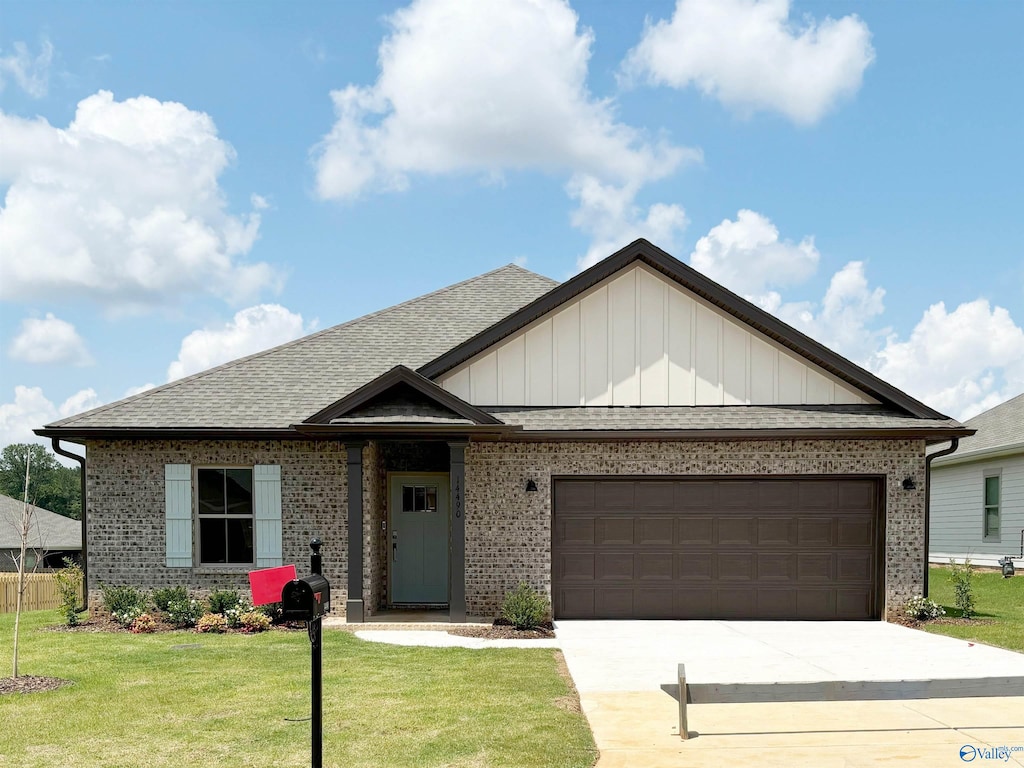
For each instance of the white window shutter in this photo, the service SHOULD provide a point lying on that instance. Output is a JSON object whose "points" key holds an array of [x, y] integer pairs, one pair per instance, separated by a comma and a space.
{"points": [[266, 507], [178, 514]]}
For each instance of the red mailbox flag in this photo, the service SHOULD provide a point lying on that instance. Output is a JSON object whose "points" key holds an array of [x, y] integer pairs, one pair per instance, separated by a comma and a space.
{"points": [[266, 584]]}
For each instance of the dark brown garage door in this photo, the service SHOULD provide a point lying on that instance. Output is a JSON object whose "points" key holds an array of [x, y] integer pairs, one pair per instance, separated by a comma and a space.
{"points": [[715, 548]]}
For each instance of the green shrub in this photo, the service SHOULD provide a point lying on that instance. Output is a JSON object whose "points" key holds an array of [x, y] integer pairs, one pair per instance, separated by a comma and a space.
{"points": [[223, 600], [524, 607], [254, 621], [125, 604], [272, 611], [69, 585], [234, 615], [184, 611], [162, 597], [963, 590], [211, 622], [923, 609]]}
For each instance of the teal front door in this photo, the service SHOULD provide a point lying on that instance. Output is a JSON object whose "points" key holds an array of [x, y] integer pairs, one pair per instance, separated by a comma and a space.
{"points": [[418, 547]]}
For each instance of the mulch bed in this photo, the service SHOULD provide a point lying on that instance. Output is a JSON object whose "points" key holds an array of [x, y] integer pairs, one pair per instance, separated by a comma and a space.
{"points": [[31, 684], [503, 630], [906, 621]]}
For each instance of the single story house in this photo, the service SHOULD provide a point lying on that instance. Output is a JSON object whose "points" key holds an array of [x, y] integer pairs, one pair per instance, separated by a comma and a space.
{"points": [[51, 537], [635, 442], [977, 495]]}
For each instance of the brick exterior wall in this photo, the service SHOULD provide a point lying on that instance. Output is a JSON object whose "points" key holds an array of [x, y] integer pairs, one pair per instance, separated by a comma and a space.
{"points": [[125, 489], [508, 531]]}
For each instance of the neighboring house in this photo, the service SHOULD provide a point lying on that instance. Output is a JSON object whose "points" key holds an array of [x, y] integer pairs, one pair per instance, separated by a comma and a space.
{"points": [[51, 538], [977, 497], [637, 442]]}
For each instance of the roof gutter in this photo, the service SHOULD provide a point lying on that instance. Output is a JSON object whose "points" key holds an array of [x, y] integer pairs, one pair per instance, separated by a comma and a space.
{"points": [[55, 442], [928, 501]]}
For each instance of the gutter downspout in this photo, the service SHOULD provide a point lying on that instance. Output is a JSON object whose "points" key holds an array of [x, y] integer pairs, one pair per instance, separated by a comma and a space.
{"points": [[928, 500], [55, 441]]}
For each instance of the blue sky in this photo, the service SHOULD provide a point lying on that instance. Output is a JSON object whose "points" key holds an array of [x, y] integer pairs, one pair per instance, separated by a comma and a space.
{"points": [[186, 183]]}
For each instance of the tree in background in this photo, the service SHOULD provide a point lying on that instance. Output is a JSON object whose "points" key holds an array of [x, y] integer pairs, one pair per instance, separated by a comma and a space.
{"points": [[54, 486]]}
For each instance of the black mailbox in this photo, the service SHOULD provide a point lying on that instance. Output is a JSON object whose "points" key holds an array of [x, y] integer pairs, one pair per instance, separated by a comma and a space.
{"points": [[306, 599]]}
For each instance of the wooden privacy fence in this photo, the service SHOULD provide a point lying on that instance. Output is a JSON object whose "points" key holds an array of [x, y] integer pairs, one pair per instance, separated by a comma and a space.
{"points": [[40, 592]]}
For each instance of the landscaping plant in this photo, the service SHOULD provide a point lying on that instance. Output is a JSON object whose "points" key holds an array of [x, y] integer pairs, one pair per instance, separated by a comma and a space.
{"points": [[69, 584], [254, 621], [223, 600], [184, 611], [963, 591], [211, 622], [164, 596], [524, 607], [144, 624], [125, 604], [923, 609]]}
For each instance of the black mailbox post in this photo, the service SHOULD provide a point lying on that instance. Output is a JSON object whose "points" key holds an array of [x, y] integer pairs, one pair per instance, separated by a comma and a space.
{"points": [[308, 599]]}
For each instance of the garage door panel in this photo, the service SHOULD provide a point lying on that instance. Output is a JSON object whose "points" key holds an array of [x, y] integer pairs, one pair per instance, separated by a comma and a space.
{"points": [[813, 532], [695, 566], [575, 531], [854, 566], [713, 548], [577, 566], [815, 567], [776, 531], [776, 567], [656, 531], [615, 531], [734, 567], [852, 532], [655, 566], [614, 566], [695, 530]]}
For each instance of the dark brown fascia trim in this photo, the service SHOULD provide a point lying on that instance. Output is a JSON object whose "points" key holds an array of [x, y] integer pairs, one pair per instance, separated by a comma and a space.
{"points": [[401, 374], [689, 278], [393, 431], [929, 436], [77, 434]]}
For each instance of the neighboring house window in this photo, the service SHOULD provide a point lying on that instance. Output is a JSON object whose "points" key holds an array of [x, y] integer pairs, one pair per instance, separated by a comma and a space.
{"points": [[991, 518], [222, 516], [224, 500]]}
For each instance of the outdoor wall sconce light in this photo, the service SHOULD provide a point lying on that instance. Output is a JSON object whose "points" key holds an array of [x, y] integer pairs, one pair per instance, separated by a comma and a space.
{"points": [[909, 484], [531, 487]]}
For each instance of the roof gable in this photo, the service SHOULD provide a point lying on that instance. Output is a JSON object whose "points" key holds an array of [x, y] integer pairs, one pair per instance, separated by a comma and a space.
{"points": [[1000, 432], [730, 339], [401, 396]]}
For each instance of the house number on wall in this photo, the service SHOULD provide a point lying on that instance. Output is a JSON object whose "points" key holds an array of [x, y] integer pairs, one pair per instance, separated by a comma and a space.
{"points": [[458, 498]]}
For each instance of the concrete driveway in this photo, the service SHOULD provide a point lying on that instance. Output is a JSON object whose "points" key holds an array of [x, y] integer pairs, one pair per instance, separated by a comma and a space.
{"points": [[625, 672]]}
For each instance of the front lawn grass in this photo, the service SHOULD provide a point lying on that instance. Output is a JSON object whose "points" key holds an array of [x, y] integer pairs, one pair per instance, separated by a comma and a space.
{"points": [[137, 700], [999, 604]]}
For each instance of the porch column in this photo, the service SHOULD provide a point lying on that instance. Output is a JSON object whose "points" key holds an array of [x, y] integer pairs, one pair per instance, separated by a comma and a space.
{"points": [[354, 604], [457, 588]]}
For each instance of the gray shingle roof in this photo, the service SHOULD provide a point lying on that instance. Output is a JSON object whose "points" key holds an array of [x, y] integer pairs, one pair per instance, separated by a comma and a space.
{"points": [[730, 417], [284, 385], [49, 530], [998, 428]]}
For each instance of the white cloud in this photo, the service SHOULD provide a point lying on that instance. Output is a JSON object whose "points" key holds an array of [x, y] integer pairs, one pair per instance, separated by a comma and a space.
{"points": [[485, 88], [134, 185], [31, 409], [610, 216], [750, 56], [747, 256], [480, 87], [32, 74], [49, 340], [132, 391], [960, 362], [252, 330]]}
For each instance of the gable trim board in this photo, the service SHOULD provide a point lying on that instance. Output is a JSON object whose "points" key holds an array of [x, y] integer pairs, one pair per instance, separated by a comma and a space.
{"points": [[744, 311]]}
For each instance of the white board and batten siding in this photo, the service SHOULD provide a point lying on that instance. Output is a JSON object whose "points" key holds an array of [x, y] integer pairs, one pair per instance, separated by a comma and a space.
{"points": [[639, 338], [180, 524], [957, 509]]}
